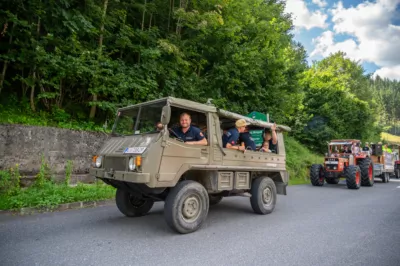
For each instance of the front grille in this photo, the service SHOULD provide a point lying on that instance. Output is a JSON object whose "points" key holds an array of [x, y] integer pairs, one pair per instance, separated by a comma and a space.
{"points": [[331, 167], [116, 163], [331, 164]]}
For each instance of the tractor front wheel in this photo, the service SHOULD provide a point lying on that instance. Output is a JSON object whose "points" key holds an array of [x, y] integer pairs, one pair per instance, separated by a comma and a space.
{"points": [[317, 175], [353, 177]]}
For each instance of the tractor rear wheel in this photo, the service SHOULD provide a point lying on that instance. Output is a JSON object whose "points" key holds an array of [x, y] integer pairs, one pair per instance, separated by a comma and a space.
{"points": [[397, 173], [367, 172], [317, 175], [353, 177]]}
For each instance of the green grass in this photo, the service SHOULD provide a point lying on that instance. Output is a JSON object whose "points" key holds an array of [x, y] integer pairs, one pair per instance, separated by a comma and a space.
{"points": [[299, 160], [46, 193], [22, 115], [50, 195]]}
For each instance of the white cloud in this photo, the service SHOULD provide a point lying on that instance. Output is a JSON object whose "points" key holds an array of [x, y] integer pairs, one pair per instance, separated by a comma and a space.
{"points": [[325, 45], [320, 3], [303, 17], [372, 36], [389, 72]]}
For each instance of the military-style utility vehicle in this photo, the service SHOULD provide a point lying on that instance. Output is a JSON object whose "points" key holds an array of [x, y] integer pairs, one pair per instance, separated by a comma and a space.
{"points": [[148, 163], [351, 163]]}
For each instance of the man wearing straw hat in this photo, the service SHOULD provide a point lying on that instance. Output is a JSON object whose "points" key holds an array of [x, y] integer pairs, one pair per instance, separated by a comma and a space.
{"points": [[230, 138]]}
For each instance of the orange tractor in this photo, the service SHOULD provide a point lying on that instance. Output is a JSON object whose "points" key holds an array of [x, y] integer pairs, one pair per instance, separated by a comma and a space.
{"points": [[345, 159]]}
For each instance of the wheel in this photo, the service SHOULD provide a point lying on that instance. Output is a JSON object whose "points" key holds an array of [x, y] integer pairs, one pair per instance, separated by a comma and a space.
{"points": [[367, 172], [353, 177], [186, 207], [332, 181], [214, 200], [132, 206], [397, 173], [317, 175], [263, 195]]}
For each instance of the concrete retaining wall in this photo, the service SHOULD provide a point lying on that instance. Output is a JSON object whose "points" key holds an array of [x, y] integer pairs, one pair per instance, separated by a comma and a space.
{"points": [[24, 145]]}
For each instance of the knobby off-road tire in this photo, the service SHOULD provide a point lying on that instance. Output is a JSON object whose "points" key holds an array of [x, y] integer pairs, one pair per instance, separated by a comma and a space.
{"points": [[317, 175], [263, 195], [333, 181], [132, 206], [214, 200], [353, 177], [186, 207], [367, 172]]}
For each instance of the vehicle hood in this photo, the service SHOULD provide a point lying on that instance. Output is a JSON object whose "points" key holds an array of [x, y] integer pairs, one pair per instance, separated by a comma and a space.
{"points": [[122, 145]]}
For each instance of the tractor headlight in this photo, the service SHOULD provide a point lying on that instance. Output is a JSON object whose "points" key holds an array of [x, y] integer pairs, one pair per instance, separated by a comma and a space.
{"points": [[98, 161], [132, 164]]}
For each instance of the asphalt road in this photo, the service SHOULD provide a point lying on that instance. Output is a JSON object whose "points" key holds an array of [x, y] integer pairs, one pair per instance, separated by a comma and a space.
{"points": [[328, 225]]}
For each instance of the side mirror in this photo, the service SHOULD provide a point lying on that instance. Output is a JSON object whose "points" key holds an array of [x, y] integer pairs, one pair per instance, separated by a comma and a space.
{"points": [[165, 115]]}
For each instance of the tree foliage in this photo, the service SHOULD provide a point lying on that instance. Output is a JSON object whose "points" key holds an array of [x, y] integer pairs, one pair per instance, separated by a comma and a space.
{"points": [[80, 60]]}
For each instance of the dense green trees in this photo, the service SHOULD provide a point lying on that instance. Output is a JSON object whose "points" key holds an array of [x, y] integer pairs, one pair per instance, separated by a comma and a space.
{"points": [[79, 60]]}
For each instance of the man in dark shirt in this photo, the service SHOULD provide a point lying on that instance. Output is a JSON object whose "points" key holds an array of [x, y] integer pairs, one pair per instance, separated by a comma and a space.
{"points": [[188, 133], [366, 147], [246, 139], [230, 138]]}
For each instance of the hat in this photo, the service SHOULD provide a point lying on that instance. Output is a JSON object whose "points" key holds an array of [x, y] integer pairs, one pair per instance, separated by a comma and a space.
{"points": [[241, 123]]}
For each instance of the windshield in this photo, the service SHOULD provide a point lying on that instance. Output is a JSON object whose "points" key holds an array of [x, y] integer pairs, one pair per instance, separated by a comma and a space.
{"points": [[139, 120]]}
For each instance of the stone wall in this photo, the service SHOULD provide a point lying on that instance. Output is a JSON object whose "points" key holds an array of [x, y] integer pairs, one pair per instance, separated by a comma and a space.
{"points": [[24, 145]]}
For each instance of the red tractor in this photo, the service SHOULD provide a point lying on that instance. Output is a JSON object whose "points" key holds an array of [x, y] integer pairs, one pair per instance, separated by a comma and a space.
{"points": [[345, 159]]}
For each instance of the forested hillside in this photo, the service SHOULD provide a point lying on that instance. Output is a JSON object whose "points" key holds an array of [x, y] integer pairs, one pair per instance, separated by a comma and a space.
{"points": [[70, 63]]}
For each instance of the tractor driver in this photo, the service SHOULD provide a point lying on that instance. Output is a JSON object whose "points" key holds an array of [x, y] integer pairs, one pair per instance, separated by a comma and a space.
{"points": [[346, 149]]}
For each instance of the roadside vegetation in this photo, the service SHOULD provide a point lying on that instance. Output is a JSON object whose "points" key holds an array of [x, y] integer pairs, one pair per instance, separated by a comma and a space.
{"points": [[45, 192], [98, 55], [72, 63], [299, 160]]}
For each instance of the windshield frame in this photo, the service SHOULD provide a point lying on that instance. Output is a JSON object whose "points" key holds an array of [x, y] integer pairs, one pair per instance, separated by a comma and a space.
{"points": [[138, 107]]}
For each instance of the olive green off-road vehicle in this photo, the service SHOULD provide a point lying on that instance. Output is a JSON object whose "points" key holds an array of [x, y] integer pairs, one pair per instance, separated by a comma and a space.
{"points": [[146, 163]]}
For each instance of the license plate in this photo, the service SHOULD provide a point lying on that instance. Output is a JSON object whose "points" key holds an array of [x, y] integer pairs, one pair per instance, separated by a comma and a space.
{"points": [[138, 150]]}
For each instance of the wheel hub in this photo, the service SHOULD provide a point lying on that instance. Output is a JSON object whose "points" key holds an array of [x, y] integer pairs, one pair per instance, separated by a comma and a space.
{"points": [[191, 208], [136, 202], [267, 195]]}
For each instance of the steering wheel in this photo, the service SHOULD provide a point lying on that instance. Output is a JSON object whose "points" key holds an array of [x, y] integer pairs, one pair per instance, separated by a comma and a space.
{"points": [[175, 134]]}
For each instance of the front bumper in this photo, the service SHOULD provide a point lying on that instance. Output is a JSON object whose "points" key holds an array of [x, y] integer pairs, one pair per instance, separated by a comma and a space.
{"points": [[133, 177]]}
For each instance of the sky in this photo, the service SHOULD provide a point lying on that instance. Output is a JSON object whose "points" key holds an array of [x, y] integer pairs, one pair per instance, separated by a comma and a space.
{"points": [[367, 31]]}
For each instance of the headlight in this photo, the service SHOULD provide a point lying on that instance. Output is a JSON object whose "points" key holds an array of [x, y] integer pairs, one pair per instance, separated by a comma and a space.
{"points": [[99, 161], [132, 164]]}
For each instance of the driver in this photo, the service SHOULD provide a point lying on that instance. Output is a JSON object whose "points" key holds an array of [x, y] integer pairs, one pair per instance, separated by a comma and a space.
{"points": [[346, 149], [188, 133]]}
